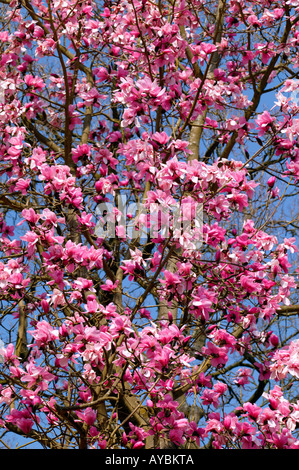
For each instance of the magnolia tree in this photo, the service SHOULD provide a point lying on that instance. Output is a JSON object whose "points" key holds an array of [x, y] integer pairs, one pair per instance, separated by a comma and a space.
{"points": [[149, 171]]}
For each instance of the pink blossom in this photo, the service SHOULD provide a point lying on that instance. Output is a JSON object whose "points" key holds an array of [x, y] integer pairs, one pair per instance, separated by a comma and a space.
{"points": [[7, 395], [203, 301], [30, 215], [34, 82], [8, 352], [37, 375], [32, 239], [271, 181], [210, 397], [120, 324], [22, 185], [109, 285], [88, 416], [286, 360], [252, 409], [249, 284], [45, 47], [22, 419], [264, 122], [145, 101], [202, 51]]}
